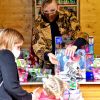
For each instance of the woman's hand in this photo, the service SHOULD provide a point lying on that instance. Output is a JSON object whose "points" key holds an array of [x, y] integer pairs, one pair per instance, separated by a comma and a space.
{"points": [[35, 94], [52, 58], [70, 50]]}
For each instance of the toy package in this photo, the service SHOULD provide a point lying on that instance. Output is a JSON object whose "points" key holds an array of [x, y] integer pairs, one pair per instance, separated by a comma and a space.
{"points": [[89, 66], [89, 61], [96, 68], [23, 75], [73, 68]]}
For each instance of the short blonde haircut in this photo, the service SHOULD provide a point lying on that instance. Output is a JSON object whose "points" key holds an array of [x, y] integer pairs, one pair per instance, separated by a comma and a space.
{"points": [[9, 37]]}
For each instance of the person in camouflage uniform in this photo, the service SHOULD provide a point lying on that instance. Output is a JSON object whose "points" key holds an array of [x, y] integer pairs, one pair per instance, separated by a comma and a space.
{"points": [[53, 22]]}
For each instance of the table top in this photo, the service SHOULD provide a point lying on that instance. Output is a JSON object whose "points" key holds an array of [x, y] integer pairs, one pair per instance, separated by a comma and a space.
{"points": [[83, 81], [31, 83], [89, 82]]}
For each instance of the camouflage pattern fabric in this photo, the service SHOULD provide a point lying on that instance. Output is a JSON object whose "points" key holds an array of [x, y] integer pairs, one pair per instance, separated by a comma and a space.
{"points": [[41, 36]]}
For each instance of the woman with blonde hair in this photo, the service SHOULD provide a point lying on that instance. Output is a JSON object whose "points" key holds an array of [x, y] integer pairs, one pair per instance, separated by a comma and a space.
{"points": [[10, 44]]}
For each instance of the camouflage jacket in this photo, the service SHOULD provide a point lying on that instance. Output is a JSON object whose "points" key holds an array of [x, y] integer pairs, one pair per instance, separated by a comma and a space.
{"points": [[41, 37]]}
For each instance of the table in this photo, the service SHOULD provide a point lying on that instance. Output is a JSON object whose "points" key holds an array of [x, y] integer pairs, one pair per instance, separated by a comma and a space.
{"points": [[90, 90]]}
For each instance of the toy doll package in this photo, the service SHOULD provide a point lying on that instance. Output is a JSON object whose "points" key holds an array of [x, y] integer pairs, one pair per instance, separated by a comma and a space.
{"points": [[72, 68]]}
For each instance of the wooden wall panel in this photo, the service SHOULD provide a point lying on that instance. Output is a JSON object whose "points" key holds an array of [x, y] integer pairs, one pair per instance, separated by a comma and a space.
{"points": [[90, 20], [90, 91], [17, 14]]}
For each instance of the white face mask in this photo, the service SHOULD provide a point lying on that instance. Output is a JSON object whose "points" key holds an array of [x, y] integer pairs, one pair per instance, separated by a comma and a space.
{"points": [[16, 53]]}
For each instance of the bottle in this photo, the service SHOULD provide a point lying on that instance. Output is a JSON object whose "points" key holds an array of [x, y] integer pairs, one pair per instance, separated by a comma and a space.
{"points": [[91, 45]]}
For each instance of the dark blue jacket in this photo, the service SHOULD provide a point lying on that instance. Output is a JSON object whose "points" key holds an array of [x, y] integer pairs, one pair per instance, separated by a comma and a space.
{"points": [[10, 89]]}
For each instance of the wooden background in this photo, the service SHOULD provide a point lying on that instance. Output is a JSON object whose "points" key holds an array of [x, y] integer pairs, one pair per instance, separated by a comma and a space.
{"points": [[90, 20], [18, 14]]}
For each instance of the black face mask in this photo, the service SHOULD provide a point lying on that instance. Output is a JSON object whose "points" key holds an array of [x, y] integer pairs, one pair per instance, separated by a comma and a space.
{"points": [[50, 17]]}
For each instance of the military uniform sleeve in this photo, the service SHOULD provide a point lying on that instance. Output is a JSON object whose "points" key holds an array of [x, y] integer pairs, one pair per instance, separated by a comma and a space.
{"points": [[40, 44]]}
